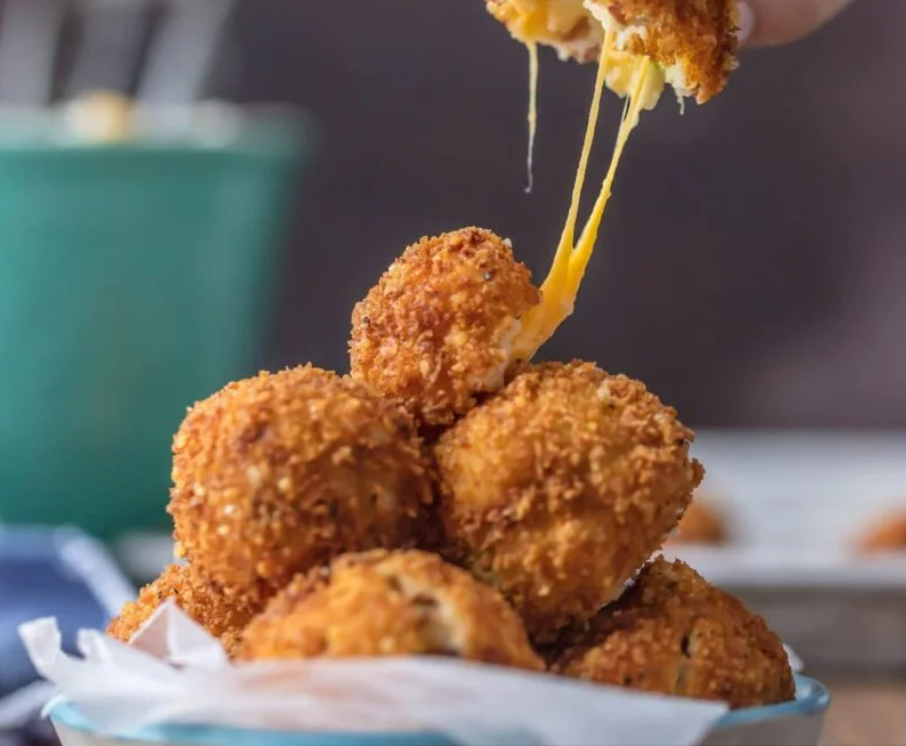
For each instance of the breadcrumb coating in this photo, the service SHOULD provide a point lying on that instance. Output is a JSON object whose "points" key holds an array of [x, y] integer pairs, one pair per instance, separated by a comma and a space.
{"points": [[279, 473], [390, 604], [674, 633], [702, 523], [223, 617], [557, 489], [885, 536], [693, 41], [435, 332]]}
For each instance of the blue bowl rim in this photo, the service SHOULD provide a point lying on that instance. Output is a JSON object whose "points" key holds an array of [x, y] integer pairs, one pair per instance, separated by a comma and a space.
{"points": [[812, 699]]}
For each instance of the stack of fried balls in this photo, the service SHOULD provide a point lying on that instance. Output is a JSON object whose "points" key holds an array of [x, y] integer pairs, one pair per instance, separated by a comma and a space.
{"points": [[447, 499]]}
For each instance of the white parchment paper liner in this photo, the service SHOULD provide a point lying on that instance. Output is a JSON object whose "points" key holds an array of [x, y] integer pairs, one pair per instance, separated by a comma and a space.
{"points": [[175, 672]]}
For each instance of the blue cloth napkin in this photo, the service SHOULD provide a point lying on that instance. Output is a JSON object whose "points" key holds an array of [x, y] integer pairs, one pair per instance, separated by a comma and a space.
{"points": [[52, 572]]}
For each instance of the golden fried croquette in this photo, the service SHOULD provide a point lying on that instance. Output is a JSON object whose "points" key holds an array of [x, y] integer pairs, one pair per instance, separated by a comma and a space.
{"points": [[223, 617], [702, 523], [436, 331], [279, 473], [557, 489], [389, 604], [674, 633], [693, 42], [884, 536]]}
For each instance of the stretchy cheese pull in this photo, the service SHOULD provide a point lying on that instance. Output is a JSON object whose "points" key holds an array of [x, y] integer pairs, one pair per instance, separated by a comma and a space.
{"points": [[578, 261], [532, 113], [561, 286]]}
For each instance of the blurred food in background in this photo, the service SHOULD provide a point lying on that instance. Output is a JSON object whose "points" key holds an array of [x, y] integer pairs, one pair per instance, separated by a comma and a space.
{"points": [[886, 535], [702, 523], [100, 117]]}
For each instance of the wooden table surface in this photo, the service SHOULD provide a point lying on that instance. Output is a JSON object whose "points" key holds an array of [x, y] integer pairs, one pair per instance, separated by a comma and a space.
{"points": [[866, 715]]}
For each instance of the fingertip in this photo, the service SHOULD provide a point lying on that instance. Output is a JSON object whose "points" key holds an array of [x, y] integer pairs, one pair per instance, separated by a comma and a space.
{"points": [[745, 22], [771, 22]]}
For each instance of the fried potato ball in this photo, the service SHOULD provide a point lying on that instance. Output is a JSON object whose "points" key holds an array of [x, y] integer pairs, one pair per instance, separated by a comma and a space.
{"points": [[702, 523], [674, 633], [436, 331], [693, 42], [885, 536], [223, 617], [389, 604], [279, 473], [557, 489]]}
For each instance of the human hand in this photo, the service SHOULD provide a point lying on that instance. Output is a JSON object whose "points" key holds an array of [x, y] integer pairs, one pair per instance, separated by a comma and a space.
{"points": [[766, 22]]}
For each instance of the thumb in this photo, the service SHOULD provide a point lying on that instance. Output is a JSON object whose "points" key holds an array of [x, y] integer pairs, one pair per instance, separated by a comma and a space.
{"points": [[766, 22]]}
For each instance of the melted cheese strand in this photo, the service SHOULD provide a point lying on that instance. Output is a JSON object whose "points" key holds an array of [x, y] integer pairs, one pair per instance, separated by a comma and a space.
{"points": [[541, 322], [586, 246], [532, 112], [560, 266]]}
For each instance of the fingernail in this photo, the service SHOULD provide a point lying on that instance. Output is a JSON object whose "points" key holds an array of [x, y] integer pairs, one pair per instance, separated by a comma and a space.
{"points": [[746, 22]]}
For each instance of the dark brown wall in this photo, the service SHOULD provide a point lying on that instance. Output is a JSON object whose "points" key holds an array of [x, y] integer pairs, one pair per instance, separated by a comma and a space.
{"points": [[753, 262]]}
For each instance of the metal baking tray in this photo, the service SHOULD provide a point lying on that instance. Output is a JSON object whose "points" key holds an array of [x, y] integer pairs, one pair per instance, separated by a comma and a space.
{"points": [[796, 504]]}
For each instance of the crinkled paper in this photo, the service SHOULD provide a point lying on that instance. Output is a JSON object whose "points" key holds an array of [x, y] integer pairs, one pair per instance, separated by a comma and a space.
{"points": [[174, 672]]}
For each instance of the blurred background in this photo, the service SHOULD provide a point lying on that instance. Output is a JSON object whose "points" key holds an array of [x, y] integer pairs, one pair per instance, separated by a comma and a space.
{"points": [[193, 190], [750, 268]]}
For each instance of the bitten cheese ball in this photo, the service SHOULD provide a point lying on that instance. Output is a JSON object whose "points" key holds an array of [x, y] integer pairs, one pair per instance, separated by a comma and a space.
{"points": [[389, 604], [693, 42]]}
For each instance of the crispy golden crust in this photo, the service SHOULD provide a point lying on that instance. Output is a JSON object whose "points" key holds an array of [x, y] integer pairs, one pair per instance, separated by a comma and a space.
{"points": [[435, 331], [702, 523], [389, 604], [887, 535], [674, 633], [558, 488], [697, 39], [223, 617], [279, 473]]}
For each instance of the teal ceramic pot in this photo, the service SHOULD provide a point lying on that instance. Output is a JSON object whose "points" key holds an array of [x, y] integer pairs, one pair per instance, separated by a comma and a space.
{"points": [[134, 280]]}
